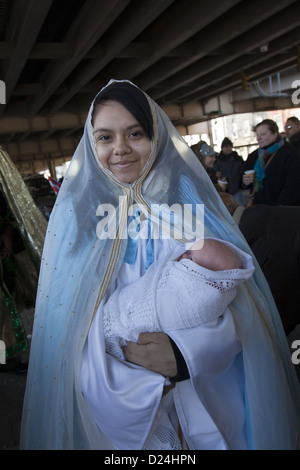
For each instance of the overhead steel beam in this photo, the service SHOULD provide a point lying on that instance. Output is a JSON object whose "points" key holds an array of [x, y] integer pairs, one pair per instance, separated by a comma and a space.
{"points": [[32, 149], [40, 50], [129, 26], [277, 47], [29, 18], [226, 28], [284, 62], [266, 31], [95, 17], [64, 50], [61, 121], [186, 19]]}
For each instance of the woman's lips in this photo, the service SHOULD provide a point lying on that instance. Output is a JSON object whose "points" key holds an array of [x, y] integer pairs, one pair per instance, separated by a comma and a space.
{"points": [[124, 164]]}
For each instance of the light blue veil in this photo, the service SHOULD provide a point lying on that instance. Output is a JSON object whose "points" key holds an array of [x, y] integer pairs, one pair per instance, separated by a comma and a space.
{"points": [[78, 267]]}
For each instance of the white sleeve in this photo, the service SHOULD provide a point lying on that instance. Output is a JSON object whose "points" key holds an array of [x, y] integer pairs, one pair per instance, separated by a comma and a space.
{"points": [[130, 310], [208, 349]]}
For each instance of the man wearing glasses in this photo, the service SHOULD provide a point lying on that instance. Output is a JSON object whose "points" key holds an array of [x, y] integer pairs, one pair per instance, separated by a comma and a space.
{"points": [[292, 129]]}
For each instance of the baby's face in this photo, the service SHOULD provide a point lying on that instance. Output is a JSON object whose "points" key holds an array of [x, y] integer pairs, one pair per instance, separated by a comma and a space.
{"points": [[193, 255], [213, 255]]}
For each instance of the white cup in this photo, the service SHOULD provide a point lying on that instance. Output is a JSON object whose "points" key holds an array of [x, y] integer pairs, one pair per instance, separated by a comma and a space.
{"points": [[250, 173]]}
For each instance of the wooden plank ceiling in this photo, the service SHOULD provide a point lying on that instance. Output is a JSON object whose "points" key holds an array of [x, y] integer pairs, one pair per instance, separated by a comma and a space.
{"points": [[56, 54]]}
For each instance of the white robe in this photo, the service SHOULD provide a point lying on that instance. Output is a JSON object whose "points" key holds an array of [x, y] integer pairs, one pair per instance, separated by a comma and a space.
{"points": [[127, 399]]}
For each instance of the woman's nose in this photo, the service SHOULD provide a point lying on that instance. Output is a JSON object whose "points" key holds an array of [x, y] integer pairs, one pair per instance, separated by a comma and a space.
{"points": [[121, 147]]}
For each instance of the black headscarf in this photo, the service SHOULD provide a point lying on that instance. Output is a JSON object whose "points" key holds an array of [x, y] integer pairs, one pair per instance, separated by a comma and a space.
{"points": [[132, 99]]}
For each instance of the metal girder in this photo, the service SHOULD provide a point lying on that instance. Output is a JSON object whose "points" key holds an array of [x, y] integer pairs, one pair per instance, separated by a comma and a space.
{"points": [[127, 30], [95, 18], [220, 32], [55, 56], [41, 50], [282, 22], [187, 19], [32, 13], [42, 124], [244, 62], [257, 72]]}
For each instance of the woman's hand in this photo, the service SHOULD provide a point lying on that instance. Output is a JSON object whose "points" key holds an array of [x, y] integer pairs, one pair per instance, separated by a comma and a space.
{"points": [[154, 352]]}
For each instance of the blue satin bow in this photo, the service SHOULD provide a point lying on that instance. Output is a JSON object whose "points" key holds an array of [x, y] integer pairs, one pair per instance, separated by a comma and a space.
{"points": [[132, 244]]}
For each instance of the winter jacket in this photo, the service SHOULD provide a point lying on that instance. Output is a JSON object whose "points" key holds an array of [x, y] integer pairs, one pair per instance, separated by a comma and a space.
{"points": [[231, 166], [281, 185], [295, 142], [273, 233]]}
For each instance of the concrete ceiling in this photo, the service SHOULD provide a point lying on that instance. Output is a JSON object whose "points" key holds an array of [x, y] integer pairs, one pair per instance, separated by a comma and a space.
{"points": [[56, 54]]}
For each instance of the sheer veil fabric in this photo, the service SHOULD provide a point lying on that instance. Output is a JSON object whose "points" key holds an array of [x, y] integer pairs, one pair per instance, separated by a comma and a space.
{"points": [[79, 270]]}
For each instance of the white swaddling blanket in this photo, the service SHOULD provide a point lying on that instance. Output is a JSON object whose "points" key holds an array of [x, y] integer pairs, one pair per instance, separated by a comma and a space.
{"points": [[171, 295]]}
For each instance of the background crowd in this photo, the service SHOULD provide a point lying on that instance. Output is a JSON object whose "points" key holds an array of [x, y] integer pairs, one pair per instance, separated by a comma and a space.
{"points": [[265, 206]]}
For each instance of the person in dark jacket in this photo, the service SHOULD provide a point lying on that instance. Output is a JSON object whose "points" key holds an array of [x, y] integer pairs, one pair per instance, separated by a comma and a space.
{"points": [[273, 234], [292, 129], [230, 164], [277, 168]]}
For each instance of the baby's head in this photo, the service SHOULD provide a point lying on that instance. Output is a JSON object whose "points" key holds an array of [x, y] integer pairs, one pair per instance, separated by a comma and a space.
{"points": [[213, 255]]}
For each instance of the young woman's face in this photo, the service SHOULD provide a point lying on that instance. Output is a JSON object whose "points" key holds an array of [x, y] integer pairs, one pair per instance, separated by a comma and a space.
{"points": [[122, 145], [209, 161], [264, 136]]}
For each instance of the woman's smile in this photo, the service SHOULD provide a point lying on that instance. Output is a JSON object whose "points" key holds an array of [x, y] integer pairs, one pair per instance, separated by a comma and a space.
{"points": [[124, 164]]}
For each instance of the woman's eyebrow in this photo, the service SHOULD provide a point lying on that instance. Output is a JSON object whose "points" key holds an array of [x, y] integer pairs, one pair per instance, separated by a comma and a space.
{"points": [[132, 126], [100, 130]]}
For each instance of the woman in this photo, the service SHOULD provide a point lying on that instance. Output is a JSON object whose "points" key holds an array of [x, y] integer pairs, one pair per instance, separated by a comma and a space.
{"points": [[80, 397], [277, 168], [207, 157]]}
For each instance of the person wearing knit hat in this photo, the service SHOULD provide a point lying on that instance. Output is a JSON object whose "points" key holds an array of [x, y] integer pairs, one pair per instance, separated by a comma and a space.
{"points": [[229, 163], [226, 143]]}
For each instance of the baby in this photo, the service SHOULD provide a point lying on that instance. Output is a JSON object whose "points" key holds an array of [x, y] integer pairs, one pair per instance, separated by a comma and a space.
{"points": [[177, 292]]}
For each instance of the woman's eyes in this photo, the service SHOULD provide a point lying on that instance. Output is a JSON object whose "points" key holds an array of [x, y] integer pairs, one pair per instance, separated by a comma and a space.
{"points": [[103, 137], [137, 134], [133, 134]]}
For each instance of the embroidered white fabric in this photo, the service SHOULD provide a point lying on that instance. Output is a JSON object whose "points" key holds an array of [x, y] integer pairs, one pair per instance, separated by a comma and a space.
{"points": [[164, 434], [172, 295]]}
